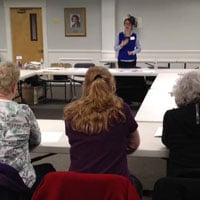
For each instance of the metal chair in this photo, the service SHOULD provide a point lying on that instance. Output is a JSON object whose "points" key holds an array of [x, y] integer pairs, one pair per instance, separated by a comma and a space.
{"points": [[78, 80], [56, 80]]}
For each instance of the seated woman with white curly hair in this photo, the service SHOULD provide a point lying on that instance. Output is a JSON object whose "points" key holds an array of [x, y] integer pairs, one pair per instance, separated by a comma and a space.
{"points": [[181, 127]]}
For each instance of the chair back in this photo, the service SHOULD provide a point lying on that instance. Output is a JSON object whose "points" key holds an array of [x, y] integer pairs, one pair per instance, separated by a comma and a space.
{"points": [[79, 186], [64, 65], [84, 65], [60, 77], [12, 186], [176, 188]]}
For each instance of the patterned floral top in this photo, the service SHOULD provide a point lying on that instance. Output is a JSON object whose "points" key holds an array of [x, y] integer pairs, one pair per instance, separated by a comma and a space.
{"points": [[19, 133]]}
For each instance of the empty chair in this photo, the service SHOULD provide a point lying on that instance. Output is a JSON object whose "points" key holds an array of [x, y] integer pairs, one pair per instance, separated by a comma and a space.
{"points": [[154, 66], [60, 80], [82, 186], [78, 80], [84, 65]]}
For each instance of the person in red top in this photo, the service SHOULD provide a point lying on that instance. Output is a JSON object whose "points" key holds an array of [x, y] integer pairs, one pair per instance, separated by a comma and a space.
{"points": [[101, 128]]}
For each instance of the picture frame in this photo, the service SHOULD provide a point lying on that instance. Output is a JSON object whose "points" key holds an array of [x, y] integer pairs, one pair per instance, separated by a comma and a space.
{"points": [[75, 22]]}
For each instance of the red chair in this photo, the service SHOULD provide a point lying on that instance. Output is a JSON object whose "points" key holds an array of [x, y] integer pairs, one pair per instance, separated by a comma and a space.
{"points": [[82, 186]]}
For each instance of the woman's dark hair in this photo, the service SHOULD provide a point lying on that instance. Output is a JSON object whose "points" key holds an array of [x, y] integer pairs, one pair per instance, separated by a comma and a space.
{"points": [[75, 16], [132, 20]]}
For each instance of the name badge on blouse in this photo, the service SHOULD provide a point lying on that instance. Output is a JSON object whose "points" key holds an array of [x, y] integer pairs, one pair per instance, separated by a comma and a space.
{"points": [[132, 38]]}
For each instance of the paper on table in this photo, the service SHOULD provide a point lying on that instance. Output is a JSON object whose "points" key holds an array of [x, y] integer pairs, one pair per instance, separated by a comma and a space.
{"points": [[128, 70], [54, 68], [158, 132], [149, 70], [51, 136]]}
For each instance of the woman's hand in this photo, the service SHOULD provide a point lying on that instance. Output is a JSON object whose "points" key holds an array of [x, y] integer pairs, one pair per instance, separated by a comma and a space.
{"points": [[124, 42], [130, 53]]}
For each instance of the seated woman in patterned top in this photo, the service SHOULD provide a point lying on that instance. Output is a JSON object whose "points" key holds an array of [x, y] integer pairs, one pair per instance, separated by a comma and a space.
{"points": [[19, 130]]}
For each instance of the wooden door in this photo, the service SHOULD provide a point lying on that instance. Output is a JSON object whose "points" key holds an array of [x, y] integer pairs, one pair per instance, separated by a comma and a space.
{"points": [[26, 33]]}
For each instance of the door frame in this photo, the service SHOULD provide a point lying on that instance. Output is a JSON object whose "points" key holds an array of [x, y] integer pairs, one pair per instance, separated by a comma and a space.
{"points": [[24, 4]]}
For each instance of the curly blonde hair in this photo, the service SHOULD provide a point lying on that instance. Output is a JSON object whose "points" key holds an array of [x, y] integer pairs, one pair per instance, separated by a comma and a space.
{"points": [[9, 75], [98, 108], [187, 89]]}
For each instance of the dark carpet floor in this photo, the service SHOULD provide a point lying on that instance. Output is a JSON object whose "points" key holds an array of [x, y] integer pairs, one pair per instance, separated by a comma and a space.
{"points": [[49, 110]]}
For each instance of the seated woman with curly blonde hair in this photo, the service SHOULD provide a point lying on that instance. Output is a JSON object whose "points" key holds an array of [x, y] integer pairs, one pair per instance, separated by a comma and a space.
{"points": [[101, 128]]}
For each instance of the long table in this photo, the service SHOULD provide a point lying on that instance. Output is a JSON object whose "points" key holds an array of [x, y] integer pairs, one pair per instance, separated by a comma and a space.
{"points": [[28, 73], [154, 106], [159, 98], [115, 72], [165, 81], [54, 139], [154, 62], [149, 115]]}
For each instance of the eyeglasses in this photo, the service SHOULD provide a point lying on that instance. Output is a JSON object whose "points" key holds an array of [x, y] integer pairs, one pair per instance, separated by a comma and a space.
{"points": [[127, 23]]}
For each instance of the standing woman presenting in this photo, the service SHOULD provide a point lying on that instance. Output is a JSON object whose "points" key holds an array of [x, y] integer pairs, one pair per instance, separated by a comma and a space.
{"points": [[127, 44]]}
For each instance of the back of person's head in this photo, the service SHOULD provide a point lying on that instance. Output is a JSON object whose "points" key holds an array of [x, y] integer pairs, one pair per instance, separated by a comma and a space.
{"points": [[9, 75], [99, 82], [98, 105], [187, 89]]}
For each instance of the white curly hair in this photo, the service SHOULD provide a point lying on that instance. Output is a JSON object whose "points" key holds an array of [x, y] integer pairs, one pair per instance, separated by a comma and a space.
{"points": [[187, 89]]}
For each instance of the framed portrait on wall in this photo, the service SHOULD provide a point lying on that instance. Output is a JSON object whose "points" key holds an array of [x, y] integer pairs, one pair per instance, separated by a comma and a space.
{"points": [[75, 22]]}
